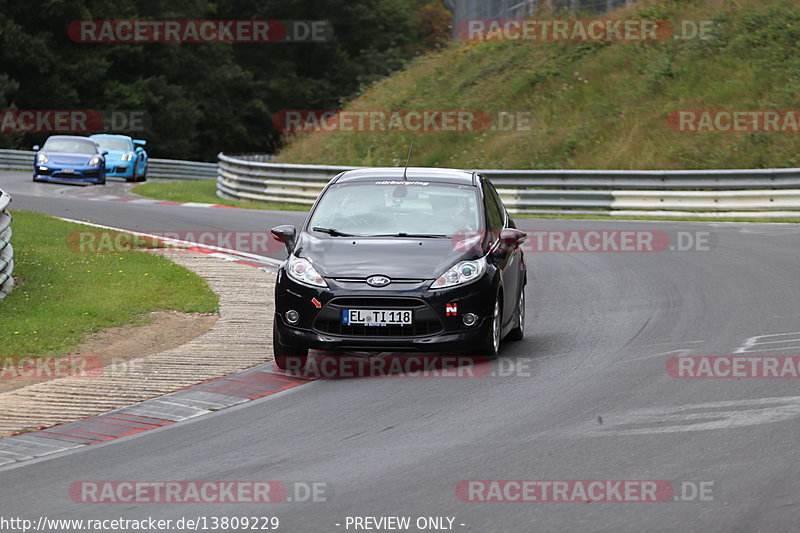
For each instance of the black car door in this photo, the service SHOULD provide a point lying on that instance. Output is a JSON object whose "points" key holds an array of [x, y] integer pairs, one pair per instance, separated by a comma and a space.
{"points": [[507, 259]]}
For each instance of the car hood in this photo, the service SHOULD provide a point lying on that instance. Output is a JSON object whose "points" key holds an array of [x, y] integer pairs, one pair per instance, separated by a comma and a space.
{"points": [[116, 155], [67, 158], [397, 258]]}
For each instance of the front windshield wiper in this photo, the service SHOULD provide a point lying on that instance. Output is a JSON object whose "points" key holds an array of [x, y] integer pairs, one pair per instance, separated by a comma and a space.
{"points": [[332, 232], [415, 235]]}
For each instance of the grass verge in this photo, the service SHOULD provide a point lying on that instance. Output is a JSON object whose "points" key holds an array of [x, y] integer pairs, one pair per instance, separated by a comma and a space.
{"points": [[779, 220], [62, 295], [202, 191]]}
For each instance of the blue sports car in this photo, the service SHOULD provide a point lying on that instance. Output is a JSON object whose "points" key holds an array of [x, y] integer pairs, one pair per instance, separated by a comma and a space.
{"points": [[70, 159], [126, 157]]}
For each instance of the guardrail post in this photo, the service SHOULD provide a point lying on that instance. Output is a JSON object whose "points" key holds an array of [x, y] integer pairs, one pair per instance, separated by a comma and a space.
{"points": [[6, 250]]}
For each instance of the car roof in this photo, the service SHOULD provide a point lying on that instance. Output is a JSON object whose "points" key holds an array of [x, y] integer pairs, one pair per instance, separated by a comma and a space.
{"points": [[112, 136], [70, 137], [437, 175]]}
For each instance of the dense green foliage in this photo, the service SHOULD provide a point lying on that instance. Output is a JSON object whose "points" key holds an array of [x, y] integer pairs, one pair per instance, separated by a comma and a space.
{"points": [[203, 98]]}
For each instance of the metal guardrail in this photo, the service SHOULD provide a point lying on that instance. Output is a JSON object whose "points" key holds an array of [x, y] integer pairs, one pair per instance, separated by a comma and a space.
{"points": [[713, 193], [156, 168], [6, 250], [16, 160], [176, 169], [245, 178]]}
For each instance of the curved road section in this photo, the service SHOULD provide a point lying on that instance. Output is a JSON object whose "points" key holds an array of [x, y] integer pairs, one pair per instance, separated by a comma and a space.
{"points": [[653, 391]]}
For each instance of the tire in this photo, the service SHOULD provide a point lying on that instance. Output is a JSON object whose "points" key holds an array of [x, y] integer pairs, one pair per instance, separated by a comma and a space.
{"points": [[518, 332], [287, 357], [491, 346]]}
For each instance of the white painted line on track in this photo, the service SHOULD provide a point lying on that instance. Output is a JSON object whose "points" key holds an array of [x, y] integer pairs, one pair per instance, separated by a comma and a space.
{"points": [[762, 343], [188, 244], [691, 417]]}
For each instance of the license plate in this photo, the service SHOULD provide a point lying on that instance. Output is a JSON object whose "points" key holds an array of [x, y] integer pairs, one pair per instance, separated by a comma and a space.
{"points": [[67, 170], [377, 317]]}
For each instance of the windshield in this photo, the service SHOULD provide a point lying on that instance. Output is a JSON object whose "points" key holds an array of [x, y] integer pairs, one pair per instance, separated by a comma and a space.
{"points": [[418, 209], [113, 144], [78, 146]]}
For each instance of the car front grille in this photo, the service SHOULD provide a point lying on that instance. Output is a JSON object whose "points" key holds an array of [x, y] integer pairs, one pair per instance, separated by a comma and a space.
{"points": [[425, 321]]}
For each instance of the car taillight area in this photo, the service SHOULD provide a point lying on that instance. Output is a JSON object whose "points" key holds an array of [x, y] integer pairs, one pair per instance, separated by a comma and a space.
{"points": [[332, 319]]}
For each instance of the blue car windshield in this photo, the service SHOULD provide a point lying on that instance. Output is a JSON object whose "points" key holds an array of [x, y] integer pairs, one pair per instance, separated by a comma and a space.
{"points": [[76, 146], [416, 208], [113, 144]]}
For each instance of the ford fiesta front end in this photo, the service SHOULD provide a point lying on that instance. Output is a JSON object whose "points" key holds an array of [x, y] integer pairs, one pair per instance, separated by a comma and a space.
{"points": [[390, 260]]}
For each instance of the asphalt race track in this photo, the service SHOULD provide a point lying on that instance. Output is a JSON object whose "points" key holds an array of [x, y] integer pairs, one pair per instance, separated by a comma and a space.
{"points": [[585, 396]]}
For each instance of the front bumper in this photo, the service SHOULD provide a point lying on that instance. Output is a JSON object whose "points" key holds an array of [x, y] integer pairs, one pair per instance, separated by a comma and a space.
{"points": [[434, 329], [77, 175], [123, 169]]}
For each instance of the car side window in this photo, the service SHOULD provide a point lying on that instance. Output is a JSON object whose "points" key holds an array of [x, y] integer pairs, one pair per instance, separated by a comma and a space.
{"points": [[495, 213]]}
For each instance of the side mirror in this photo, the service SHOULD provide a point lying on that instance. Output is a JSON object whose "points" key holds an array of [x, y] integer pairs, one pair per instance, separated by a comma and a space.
{"points": [[104, 152], [285, 234], [35, 147], [511, 239], [139, 149]]}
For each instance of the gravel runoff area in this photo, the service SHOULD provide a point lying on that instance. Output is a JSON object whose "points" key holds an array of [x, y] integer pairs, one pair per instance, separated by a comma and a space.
{"points": [[236, 342]]}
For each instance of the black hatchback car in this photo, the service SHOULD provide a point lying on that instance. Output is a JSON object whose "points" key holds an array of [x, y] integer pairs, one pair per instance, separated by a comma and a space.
{"points": [[393, 259]]}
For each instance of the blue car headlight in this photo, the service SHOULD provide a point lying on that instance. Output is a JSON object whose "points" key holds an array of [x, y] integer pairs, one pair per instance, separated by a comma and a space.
{"points": [[41, 159], [127, 157], [95, 161]]}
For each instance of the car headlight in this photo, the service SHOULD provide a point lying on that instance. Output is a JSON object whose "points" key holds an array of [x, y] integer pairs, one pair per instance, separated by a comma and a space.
{"points": [[461, 273], [302, 271], [127, 157], [41, 159], [95, 161]]}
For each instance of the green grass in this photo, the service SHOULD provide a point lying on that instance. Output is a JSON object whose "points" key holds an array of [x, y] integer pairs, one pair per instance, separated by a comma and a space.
{"points": [[63, 295], [202, 191], [594, 105], [678, 218]]}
